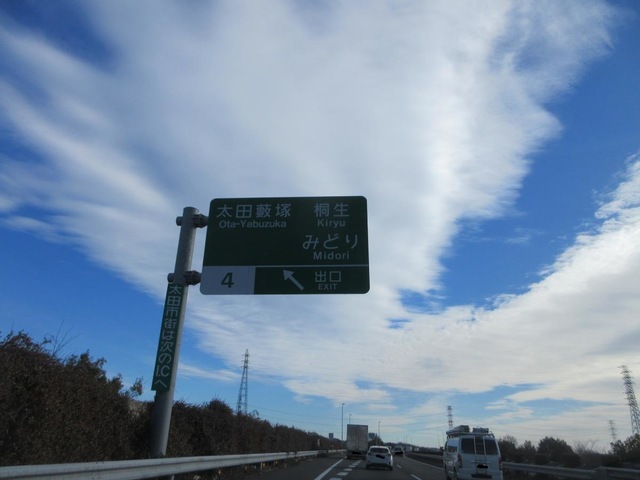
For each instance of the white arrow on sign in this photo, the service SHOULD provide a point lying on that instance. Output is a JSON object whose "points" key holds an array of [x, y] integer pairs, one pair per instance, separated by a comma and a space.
{"points": [[288, 275]]}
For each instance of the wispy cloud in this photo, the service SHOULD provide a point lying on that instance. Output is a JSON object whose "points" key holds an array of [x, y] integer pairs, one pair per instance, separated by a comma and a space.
{"points": [[197, 372], [430, 110]]}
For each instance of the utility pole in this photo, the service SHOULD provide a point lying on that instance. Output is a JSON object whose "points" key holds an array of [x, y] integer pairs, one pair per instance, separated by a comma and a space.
{"points": [[166, 367], [450, 417], [342, 426]]}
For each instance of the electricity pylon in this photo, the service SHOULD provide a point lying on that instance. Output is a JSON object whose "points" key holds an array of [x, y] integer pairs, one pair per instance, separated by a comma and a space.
{"points": [[244, 386], [631, 401]]}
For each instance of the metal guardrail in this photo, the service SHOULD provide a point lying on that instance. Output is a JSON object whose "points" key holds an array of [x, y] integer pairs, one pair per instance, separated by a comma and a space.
{"points": [[600, 473], [151, 468], [148, 468]]}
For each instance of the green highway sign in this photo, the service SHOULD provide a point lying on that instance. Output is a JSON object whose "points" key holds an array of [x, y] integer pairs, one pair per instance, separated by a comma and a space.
{"points": [[289, 245], [174, 302]]}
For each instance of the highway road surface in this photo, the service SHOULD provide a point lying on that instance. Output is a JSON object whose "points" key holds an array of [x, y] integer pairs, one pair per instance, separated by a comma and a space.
{"points": [[337, 468]]}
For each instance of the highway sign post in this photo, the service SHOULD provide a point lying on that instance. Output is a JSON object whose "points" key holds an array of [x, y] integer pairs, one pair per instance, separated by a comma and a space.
{"points": [[258, 246], [286, 245], [165, 370]]}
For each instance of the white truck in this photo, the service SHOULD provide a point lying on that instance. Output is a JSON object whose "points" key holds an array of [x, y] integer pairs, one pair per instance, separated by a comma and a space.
{"points": [[357, 440]]}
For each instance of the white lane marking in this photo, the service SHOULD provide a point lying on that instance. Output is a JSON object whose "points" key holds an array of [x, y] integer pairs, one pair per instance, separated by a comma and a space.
{"points": [[321, 476], [417, 478]]}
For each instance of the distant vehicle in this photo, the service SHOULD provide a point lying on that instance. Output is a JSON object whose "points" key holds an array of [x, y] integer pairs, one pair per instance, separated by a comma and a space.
{"points": [[379, 457], [471, 454], [357, 440], [397, 450]]}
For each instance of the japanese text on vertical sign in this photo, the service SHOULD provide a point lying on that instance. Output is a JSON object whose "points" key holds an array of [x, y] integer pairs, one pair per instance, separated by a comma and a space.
{"points": [[168, 338]]}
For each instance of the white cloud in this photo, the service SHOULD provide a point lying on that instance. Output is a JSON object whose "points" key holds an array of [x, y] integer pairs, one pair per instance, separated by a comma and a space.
{"points": [[197, 372], [430, 110]]}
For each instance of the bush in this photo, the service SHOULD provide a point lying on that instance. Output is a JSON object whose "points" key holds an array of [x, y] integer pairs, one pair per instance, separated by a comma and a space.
{"points": [[571, 460], [56, 410], [629, 450], [541, 459], [554, 448], [613, 461]]}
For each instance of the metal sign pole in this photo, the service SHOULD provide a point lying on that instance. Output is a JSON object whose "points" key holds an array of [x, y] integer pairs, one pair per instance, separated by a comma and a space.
{"points": [[166, 366]]}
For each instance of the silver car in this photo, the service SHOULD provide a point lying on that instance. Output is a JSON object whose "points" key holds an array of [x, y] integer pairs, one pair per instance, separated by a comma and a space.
{"points": [[379, 457]]}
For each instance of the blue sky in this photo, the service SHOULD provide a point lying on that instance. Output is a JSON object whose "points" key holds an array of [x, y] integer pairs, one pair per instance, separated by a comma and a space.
{"points": [[497, 149]]}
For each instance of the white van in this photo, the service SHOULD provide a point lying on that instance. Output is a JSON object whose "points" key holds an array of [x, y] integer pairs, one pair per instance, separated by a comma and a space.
{"points": [[471, 454]]}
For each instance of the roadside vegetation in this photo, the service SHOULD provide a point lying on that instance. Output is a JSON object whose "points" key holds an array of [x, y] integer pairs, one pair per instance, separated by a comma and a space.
{"points": [[56, 409], [557, 452], [66, 410]]}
